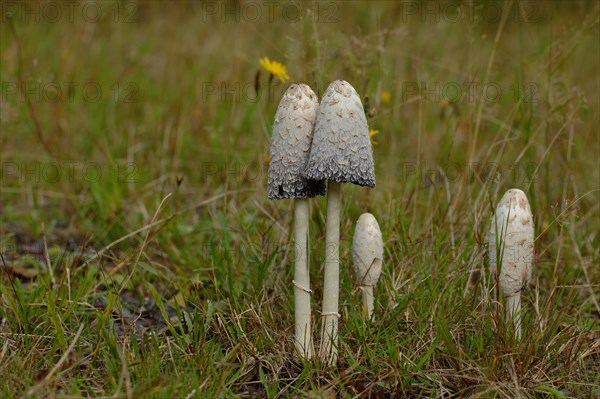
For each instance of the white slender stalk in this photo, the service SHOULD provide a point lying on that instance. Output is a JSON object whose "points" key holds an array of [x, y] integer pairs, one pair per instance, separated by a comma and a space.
{"points": [[302, 292], [331, 286], [513, 312], [368, 300]]}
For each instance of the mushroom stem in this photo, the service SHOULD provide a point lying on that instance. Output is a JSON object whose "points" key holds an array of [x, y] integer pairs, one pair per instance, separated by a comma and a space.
{"points": [[513, 312], [331, 287], [368, 300], [302, 291]]}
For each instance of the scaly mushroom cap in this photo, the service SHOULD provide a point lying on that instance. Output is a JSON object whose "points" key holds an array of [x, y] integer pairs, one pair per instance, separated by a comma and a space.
{"points": [[290, 145], [367, 250], [341, 149], [511, 239]]}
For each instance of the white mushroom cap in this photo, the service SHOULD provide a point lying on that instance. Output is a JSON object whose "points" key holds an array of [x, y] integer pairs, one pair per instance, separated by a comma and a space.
{"points": [[511, 236], [290, 145], [367, 250], [341, 149]]}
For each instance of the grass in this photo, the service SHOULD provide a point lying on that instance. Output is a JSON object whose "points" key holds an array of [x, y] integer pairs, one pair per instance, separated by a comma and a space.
{"points": [[141, 257]]}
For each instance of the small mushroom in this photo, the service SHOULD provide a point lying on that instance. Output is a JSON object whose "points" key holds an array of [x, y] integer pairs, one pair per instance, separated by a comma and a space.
{"points": [[340, 153], [290, 147], [367, 253], [511, 250]]}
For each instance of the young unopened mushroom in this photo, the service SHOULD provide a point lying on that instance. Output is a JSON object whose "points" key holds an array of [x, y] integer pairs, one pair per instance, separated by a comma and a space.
{"points": [[340, 153], [511, 250], [290, 147], [367, 253]]}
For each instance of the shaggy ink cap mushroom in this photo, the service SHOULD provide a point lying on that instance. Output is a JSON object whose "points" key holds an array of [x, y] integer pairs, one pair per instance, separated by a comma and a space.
{"points": [[511, 251], [513, 221], [291, 143], [367, 250], [340, 153], [341, 148], [367, 253]]}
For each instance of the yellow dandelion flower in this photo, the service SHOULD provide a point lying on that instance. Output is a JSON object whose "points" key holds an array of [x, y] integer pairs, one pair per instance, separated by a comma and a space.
{"points": [[372, 133], [275, 68], [386, 97]]}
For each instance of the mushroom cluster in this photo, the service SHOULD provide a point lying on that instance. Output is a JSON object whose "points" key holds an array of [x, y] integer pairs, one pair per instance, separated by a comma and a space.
{"points": [[317, 146], [339, 151]]}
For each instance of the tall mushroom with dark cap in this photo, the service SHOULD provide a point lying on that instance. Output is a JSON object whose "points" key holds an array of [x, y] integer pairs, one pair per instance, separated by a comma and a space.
{"points": [[340, 153], [511, 250], [290, 147]]}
